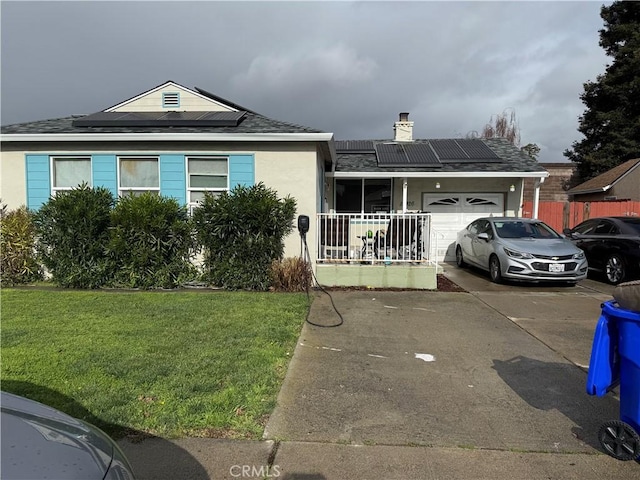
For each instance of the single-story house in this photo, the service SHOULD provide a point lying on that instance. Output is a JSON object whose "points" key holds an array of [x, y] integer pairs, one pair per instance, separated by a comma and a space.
{"points": [[181, 142], [176, 141], [619, 183]]}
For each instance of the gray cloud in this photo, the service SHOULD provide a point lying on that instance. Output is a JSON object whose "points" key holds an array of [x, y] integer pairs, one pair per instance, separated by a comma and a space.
{"points": [[347, 68]]}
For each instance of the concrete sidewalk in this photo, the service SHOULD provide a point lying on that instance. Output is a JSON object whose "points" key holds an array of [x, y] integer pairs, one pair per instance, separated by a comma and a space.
{"points": [[204, 459], [424, 385]]}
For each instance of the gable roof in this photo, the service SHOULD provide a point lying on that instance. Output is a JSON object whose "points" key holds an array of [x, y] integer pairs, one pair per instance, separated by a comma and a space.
{"points": [[218, 101], [252, 124], [491, 157], [224, 118], [606, 180]]}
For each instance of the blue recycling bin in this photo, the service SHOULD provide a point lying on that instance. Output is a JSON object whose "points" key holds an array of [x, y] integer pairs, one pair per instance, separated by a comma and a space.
{"points": [[615, 359]]}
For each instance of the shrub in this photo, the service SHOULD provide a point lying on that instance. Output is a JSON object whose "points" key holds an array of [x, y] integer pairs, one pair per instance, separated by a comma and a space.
{"points": [[151, 242], [18, 263], [291, 274], [242, 233], [73, 231]]}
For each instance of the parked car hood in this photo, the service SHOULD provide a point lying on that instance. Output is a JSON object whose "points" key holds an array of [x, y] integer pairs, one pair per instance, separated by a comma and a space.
{"points": [[35, 438], [541, 246]]}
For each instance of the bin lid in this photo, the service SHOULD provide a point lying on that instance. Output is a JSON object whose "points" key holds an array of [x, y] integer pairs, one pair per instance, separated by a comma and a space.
{"points": [[612, 308]]}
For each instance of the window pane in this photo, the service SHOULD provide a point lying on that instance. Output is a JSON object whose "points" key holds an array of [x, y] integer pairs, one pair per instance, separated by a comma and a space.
{"points": [[198, 196], [206, 181], [377, 196], [71, 172], [348, 196], [212, 166], [139, 172], [137, 193]]}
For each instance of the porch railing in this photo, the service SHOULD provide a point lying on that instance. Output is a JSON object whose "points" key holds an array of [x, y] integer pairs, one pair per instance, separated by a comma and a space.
{"points": [[376, 238]]}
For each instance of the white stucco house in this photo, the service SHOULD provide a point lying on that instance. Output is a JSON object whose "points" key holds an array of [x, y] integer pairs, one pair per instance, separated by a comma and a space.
{"points": [[181, 142]]}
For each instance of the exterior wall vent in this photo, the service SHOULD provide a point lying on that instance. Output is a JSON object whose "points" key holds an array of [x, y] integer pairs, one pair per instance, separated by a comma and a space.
{"points": [[170, 100]]}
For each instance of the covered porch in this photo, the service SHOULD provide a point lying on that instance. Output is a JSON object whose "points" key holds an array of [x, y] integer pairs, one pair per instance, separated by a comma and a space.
{"points": [[378, 250]]}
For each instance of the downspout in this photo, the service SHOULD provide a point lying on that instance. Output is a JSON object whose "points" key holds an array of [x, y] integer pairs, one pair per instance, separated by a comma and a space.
{"points": [[404, 195], [536, 196]]}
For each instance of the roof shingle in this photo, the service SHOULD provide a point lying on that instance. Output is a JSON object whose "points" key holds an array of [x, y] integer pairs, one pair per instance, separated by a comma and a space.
{"points": [[605, 180], [359, 156], [253, 123]]}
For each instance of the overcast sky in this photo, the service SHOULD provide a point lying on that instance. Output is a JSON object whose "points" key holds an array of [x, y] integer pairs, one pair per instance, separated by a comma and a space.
{"points": [[342, 67]]}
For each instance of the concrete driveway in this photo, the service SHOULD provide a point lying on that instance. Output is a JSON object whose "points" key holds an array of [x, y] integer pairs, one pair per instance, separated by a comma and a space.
{"points": [[562, 317], [499, 368]]}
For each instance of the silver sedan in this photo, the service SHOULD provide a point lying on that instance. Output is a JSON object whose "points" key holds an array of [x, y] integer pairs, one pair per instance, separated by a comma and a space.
{"points": [[520, 249], [41, 442]]}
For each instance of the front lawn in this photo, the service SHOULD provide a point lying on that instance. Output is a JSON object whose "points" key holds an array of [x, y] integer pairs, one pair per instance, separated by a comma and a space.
{"points": [[164, 363]]}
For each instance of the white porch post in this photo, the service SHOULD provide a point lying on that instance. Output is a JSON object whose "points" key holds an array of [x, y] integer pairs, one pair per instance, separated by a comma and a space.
{"points": [[536, 196], [404, 195]]}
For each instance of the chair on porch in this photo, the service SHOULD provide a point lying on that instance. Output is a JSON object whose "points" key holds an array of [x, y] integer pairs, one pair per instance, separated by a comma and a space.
{"points": [[401, 240], [334, 238]]}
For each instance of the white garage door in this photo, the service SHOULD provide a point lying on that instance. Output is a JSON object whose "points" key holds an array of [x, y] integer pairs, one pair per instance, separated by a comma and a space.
{"points": [[451, 212]]}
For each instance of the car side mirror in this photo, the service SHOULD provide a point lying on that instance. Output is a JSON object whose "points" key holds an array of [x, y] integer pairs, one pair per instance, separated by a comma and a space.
{"points": [[568, 233], [483, 236]]}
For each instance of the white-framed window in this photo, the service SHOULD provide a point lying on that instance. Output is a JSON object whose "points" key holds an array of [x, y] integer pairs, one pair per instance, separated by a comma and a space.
{"points": [[137, 175], [363, 195], [69, 172], [206, 174]]}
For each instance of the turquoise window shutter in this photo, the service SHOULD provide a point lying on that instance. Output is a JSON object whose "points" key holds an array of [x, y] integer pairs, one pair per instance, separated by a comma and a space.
{"points": [[38, 180], [173, 178], [105, 173], [241, 171]]}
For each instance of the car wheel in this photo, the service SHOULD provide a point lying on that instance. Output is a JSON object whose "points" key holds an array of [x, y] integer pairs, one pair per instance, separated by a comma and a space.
{"points": [[459, 258], [495, 270], [614, 269]]}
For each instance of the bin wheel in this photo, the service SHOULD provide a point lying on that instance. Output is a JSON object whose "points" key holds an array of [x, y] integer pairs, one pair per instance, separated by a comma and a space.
{"points": [[619, 440]]}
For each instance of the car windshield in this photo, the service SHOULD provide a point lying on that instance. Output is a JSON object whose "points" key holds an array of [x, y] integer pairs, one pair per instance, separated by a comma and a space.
{"points": [[633, 223], [518, 229]]}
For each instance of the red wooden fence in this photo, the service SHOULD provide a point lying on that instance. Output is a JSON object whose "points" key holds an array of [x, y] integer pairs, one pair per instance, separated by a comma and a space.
{"points": [[561, 215]]}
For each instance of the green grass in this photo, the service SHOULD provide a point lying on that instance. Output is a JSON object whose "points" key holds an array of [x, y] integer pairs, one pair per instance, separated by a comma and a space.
{"points": [[171, 364]]}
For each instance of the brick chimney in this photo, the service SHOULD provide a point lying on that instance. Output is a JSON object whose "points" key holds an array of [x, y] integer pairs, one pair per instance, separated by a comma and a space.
{"points": [[403, 129]]}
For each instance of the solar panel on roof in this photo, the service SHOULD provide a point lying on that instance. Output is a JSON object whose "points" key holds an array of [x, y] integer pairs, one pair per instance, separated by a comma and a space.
{"points": [[160, 119], [421, 154], [476, 149], [391, 154], [448, 150], [354, 146]]}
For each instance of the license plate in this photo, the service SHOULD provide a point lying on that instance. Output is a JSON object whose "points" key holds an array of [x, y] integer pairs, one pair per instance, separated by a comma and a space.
{"points": [[556, 267]]}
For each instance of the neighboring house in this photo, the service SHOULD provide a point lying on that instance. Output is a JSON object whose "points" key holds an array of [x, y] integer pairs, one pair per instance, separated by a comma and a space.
{"points": [[172, 140], [619, 183], [182, 142], [554, 188]]}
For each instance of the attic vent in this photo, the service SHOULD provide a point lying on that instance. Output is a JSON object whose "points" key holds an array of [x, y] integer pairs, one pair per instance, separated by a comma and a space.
{"points": [[170, 100]]}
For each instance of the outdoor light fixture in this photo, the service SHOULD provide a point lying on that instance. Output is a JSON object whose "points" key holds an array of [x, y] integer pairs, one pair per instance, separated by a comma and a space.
{"points": [[512, 188], [437, 184]]}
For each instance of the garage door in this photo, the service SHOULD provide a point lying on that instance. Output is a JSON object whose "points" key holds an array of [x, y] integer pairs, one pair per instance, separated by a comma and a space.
{"points": [[451, 212]]}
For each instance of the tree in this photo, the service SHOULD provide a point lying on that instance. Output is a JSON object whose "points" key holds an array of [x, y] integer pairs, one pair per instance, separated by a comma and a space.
{"points": [[531, 149], [611, 121], [505, 125]]}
